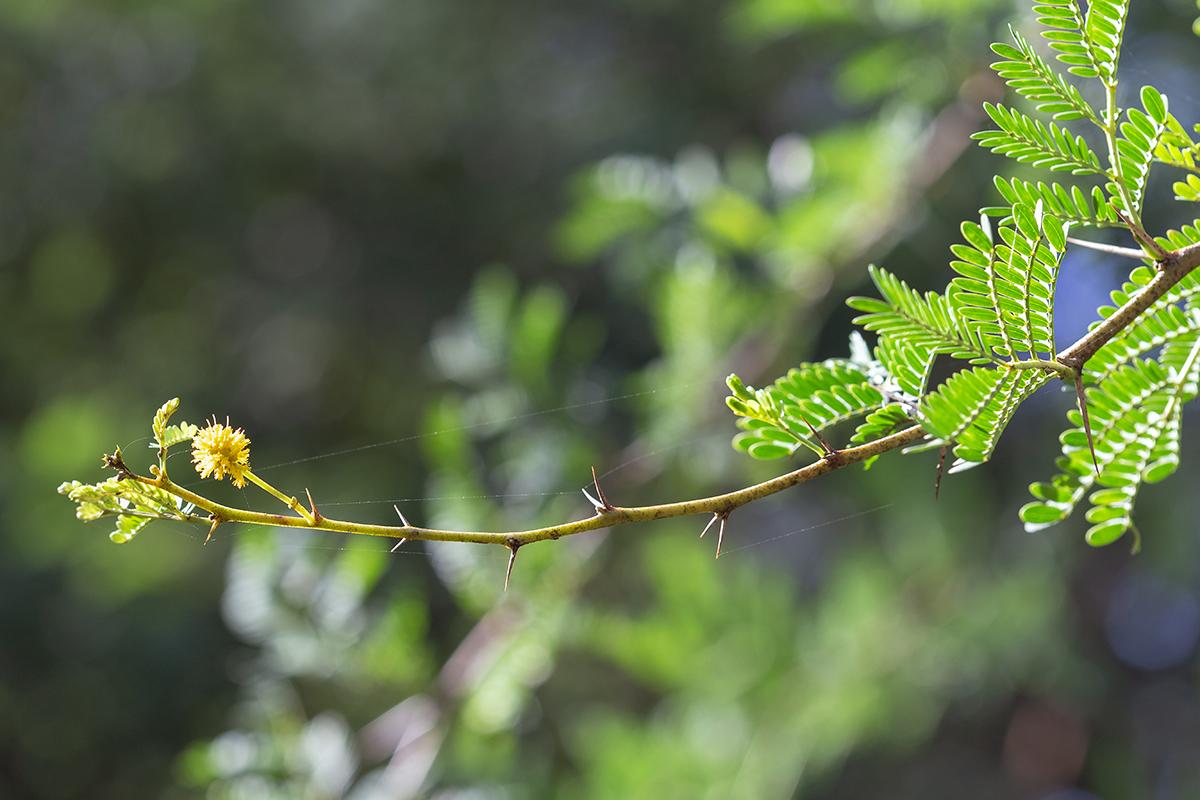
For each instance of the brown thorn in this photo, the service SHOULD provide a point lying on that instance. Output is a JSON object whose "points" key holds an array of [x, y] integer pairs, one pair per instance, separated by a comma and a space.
{"points": [[604, 500], [711, 522], [828, 447], [216, 521], [937, 484], [316, 514], [721, 534], [399, 544], [1143, 237], [401, 515], [513, 544], [1087, 427]]}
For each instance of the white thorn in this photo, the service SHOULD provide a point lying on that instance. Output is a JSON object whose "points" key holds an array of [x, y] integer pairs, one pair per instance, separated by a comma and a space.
{"points": [[711, 522], [595, 503], [512, 557], [398, 545], [401, 513]]}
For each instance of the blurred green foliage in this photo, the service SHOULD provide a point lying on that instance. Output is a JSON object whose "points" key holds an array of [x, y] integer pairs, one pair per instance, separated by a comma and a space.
{"points": [[297, 214]]}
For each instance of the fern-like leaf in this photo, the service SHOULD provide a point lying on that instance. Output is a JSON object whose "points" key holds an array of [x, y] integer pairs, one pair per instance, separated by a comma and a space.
{"points": [[167, 435], [1071, 206], [1067, 36], [1139, 140], [1103, 31], [905, 364], [883, 422], [1188, 190], [1176, 239], [878, 424], [1174, 315], [778, 420], [1041, 144], [930, 321], [973, 407], [1027, 73], [133, 503], [1135, 418], [1161, 326], [1007, 289], [1177, 148]]}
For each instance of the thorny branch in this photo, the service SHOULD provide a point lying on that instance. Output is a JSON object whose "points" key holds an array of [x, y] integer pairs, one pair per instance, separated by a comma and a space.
{"points": [[719, 505], [1172, 268]]}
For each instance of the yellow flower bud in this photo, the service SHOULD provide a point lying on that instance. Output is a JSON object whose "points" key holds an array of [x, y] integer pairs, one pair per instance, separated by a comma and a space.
{"points": [[218, 450]]}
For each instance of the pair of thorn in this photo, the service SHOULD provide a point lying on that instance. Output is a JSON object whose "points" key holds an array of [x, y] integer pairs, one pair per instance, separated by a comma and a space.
{"points": [[718, 516], [407, 524], [602, 505]]}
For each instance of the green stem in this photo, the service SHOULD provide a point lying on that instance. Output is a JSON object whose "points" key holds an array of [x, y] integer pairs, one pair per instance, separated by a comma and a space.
{"points": [[1064, 372], [1068, 364], [290, 502], [1110, 129], [721, 504]]}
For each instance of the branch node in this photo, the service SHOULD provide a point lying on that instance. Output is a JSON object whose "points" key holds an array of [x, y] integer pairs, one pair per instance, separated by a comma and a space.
{"points": [[1145, 239], [115, 461]]}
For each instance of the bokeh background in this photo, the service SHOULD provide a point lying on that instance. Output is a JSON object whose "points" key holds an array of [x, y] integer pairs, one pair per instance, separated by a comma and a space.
{"points": [[452, 254]]}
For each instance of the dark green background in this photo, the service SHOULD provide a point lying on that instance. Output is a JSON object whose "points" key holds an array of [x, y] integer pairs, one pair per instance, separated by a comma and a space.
{"points": [[349, 223]]}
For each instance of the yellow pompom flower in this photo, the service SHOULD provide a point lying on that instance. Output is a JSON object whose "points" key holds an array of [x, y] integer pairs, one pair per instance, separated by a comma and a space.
{"points": [[219, 450]]}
